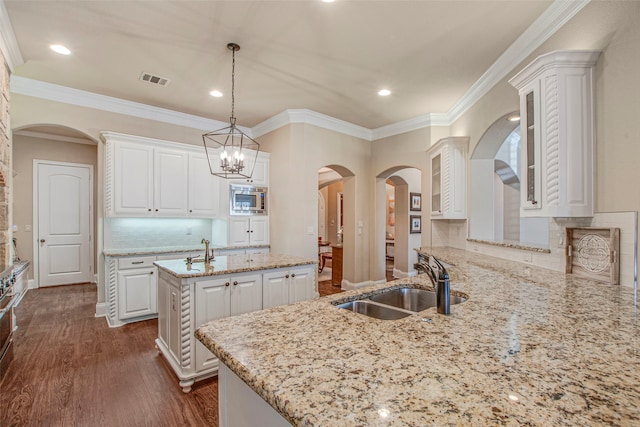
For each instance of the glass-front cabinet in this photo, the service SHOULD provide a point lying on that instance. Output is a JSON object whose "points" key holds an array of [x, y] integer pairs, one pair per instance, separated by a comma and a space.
{"points": [[448, 159], [557, 124]]}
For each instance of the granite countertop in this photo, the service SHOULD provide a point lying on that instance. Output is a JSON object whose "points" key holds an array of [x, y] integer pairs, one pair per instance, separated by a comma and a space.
{"points": [[530, 346], [231, 264], [172, 249]]}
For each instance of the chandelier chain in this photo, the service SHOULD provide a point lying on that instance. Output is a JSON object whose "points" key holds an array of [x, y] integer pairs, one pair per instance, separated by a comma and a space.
{"points": [[233, 83]]}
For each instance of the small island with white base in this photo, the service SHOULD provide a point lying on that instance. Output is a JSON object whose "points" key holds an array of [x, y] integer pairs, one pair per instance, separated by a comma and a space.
{"points": [[190, 295]]}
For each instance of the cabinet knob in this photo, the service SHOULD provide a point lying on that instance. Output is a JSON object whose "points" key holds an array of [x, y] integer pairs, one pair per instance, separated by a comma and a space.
{"points": [[227, 284], [252, 231], [235, 283], [151, 272], [293, 275], [149, 209], [247, 231], [156, 210], [286, 277], [190, 210], [42, 240]]}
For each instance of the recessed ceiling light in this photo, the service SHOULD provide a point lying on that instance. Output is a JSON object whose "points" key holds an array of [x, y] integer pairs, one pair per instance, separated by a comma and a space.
{"points": [[514, 118], [62, 50], [215, 93], [384, 92], [328, 1]]}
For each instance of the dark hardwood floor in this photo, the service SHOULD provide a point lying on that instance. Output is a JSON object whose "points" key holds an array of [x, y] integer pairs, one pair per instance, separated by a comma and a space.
{"points": [[71, 369]]}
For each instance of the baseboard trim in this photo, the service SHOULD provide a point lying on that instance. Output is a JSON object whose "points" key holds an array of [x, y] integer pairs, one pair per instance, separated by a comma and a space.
{"points": [[101, 309], [31, 284]]}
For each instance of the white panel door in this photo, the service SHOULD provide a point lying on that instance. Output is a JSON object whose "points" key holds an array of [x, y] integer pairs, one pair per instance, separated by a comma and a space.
{"points": [[171, 187], [212, 302], [204, 188], [239, 231], [137, 293], [275, 288], [259, 230], [302, 284], [246, 293], [133, 180], [64, 218]]}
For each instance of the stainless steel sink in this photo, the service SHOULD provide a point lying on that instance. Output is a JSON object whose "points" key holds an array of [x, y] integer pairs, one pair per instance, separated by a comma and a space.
{"points": [[377, 311], [411, 299], [396, 303]]}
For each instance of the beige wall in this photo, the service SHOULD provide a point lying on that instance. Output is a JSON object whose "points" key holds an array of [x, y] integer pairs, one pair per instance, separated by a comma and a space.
{"points": [[297, 152], [25, 150]]}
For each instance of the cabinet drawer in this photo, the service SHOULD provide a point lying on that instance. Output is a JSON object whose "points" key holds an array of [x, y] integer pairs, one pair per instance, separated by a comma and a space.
{"points": [[137, 262]]}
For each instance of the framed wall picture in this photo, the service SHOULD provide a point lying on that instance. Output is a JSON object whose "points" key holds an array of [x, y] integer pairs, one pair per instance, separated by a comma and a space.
{"points": [[415, 224], [415, 202]]}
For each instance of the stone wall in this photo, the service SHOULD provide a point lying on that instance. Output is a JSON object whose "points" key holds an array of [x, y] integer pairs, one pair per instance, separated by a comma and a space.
{"points": [[5, 165]]}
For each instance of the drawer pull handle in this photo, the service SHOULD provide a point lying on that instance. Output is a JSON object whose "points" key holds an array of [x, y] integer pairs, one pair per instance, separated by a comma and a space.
{"points": [[137, 262]]}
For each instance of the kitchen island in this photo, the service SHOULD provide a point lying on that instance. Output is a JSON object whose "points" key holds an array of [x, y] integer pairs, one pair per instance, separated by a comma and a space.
{"points": [[530, 346], [190, 294]]}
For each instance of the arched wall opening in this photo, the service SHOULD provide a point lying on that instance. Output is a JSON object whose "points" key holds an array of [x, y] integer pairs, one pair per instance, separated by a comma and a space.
{"points": [[49, 142], [495, 188], [405, 180]]}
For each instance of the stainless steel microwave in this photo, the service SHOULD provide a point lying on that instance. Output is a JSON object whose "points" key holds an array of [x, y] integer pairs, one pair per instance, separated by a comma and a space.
{"points": [[247, 200]]}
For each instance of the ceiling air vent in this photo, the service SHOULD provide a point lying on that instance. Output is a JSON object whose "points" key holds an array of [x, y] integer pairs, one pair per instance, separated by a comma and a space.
{"points": [[156, 80]]}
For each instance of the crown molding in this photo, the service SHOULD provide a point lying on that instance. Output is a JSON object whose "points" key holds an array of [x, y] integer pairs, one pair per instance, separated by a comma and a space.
{"points": [[420, 122], [8, 42], [82, 98], [550, 21]]}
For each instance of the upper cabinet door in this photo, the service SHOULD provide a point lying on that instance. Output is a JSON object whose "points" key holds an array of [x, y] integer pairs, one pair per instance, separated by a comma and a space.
{"points": [[132, 190], [204, 188], [558, 134], [449, 178], [171, 183]]}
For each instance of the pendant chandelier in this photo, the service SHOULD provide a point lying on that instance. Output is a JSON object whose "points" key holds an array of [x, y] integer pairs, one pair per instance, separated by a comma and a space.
{"points": [[230, 152]]}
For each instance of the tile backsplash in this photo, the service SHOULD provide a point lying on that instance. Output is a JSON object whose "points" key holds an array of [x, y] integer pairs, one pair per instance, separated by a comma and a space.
{"points": [[125, 233]]}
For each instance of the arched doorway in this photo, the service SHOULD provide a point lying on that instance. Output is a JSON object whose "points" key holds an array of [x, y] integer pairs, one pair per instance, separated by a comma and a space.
{"points": [[59, 145], [333, 195], [395, 243]]}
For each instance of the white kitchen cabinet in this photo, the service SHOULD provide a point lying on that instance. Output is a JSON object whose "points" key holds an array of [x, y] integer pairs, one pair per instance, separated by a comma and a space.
{"points": [[260, 165], [288, 286], [152, 178], [136, 288], [204, 188], [557, 134], [130, 179], [248, 230], [448, 160], [171, 183]]}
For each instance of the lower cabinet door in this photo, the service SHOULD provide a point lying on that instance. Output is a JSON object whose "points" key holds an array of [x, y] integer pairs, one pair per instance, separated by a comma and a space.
{"points": [[275, 288], [212, 302], [137, 293], [246, 293], [302, 284]]}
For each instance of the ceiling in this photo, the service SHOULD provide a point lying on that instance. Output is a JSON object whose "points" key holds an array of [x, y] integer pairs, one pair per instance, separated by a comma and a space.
{"points": [[331, 58]]}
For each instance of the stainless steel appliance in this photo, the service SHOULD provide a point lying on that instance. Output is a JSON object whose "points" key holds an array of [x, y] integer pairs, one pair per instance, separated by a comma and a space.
{"points": [[7, 299], [247, 200]]}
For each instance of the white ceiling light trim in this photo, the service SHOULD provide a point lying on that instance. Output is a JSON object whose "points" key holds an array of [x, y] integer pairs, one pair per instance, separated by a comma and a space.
{"points": [[8, 42]]}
